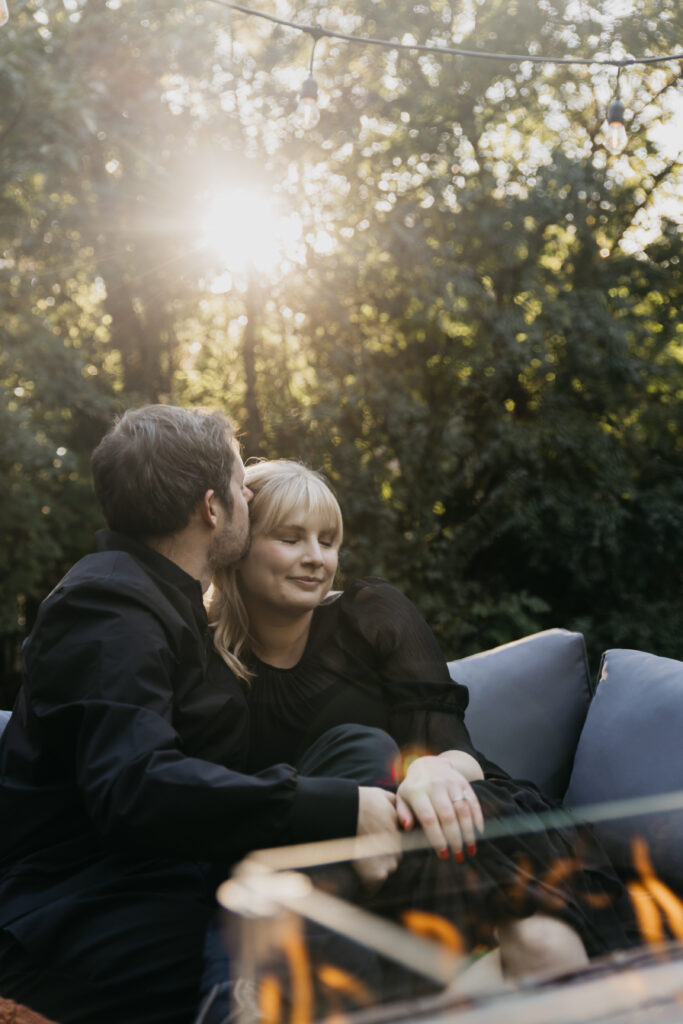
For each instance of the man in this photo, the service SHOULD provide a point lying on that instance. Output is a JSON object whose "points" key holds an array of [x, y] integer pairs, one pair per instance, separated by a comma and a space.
{"points": [[121, 771]]}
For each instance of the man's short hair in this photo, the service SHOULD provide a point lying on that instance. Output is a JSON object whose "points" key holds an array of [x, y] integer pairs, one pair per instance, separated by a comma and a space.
{"points": [[153, 467]]}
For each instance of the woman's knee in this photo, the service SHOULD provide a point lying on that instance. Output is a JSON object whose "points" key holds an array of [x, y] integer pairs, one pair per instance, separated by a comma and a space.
{"points": [[539, 943], [364, 753]]}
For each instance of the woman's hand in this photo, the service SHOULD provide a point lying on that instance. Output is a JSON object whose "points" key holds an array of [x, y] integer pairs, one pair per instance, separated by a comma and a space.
{"points": [[439, 796]]}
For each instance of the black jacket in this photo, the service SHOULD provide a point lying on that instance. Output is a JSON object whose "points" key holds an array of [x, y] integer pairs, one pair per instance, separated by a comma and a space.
{"points": [[126, 750]]}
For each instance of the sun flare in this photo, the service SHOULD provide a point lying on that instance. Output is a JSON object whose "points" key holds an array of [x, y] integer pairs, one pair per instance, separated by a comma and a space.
{"points": [[244, 230]]}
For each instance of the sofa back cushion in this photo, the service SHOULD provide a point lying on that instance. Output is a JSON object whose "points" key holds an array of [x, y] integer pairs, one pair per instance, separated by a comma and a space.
{"points": [[528, 702], [632, 746]]}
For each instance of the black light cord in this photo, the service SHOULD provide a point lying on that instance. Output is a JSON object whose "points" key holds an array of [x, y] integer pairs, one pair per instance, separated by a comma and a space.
{"points": [[318, 33]]}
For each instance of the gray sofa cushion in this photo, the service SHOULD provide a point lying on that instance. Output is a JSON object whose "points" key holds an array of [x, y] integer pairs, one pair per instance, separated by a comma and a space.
{"points": [[632, 746], [528, 702]]}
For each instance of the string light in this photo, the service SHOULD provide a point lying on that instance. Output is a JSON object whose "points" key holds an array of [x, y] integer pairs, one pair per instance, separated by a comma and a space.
{"points": [[308, 112], [616, 138]]}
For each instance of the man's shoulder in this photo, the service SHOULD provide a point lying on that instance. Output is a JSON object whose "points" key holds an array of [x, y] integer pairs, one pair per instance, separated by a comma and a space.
{"points": [[108, 570], [114, 582], [106, 597]]}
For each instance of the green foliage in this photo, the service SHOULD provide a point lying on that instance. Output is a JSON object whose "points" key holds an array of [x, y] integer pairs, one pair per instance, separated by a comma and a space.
{"points": [[478, 337]]}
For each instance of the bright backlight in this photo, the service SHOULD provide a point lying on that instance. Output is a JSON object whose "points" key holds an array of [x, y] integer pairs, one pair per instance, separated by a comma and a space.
{"points": [[244, 230]]}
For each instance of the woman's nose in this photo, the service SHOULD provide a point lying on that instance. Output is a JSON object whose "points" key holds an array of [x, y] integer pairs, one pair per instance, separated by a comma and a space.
{"points": [[312, 554]]}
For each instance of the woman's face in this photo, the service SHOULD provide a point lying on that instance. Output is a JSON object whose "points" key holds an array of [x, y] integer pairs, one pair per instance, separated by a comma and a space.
{"points": [[290, 569]]}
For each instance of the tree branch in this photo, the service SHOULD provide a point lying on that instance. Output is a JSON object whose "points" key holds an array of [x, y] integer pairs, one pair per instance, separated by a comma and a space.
{"points": [[656, 181], [635, 123]]}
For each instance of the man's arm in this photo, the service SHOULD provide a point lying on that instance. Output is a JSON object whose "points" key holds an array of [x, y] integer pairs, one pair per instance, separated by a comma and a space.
{"points": [[103, 696]]}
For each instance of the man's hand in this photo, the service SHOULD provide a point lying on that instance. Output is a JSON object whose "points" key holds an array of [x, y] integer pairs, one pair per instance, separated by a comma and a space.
{"points": [[377, 815], [440, 797]]}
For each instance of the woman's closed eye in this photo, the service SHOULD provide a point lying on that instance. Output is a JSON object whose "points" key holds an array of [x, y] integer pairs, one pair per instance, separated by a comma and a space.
{"points": [[326, 541], [295, 540]]}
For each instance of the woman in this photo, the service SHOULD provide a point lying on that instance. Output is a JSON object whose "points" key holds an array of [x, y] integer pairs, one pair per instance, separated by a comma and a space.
{"points": [[314, 659]]}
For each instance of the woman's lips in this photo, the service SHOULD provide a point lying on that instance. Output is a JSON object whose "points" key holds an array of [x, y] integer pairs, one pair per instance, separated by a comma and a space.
{"points": [[306, 581]]}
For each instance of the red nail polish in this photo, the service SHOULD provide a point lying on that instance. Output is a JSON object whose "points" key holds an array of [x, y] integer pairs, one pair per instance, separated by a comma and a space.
{"points": [[471, 849], [405, 823], [444, 854], [460, 856]]}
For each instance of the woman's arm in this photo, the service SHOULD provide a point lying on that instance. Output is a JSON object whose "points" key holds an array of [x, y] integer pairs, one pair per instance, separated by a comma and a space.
{"points": [[427, 718], [427, 708]]}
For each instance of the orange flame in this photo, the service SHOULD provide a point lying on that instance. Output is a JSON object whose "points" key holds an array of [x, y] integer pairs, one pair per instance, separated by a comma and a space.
{"points": [[270, 1000], [299, 968], [649, 921], [563, 868], [298, 961], [435, 927], [660, 894], [341, 981]]}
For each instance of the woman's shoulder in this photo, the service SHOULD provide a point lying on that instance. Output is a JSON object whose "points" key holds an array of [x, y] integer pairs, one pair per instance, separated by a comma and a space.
{"points": [[361, 590], [373, 604], [367, 589], [374, 611]]}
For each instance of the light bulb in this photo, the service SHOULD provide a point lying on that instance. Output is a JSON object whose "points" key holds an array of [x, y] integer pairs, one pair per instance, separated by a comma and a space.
{"points": [[4, 12], [308, 112], [616, 138]]}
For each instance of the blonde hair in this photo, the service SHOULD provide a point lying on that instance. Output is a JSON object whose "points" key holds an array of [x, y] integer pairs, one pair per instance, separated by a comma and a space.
{"points": [[280, 487]]}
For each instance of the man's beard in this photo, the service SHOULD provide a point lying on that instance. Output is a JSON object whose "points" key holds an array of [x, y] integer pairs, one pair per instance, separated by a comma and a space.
{"points": [[228, 547]]}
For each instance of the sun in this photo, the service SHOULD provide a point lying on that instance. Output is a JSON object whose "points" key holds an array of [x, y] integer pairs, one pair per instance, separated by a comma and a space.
{"points": [[244, 230]]}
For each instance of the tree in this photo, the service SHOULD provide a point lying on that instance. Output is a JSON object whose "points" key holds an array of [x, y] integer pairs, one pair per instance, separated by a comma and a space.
{"points": [[485, 351], [476, 333]]}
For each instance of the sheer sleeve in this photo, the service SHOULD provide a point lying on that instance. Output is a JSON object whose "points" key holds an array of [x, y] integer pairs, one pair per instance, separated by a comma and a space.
{"points": [[427, 708]]}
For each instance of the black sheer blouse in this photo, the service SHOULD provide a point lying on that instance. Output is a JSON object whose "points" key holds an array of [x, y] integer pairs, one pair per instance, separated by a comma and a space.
{"points": [[370, 659]]}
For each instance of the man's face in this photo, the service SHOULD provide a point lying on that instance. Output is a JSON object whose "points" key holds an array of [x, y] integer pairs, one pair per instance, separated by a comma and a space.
{"points": [[231, 541]]}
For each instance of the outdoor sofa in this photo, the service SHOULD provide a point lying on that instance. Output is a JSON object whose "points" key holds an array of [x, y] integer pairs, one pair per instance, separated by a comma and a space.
{"points": [[611, 750], [535, 710]]}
